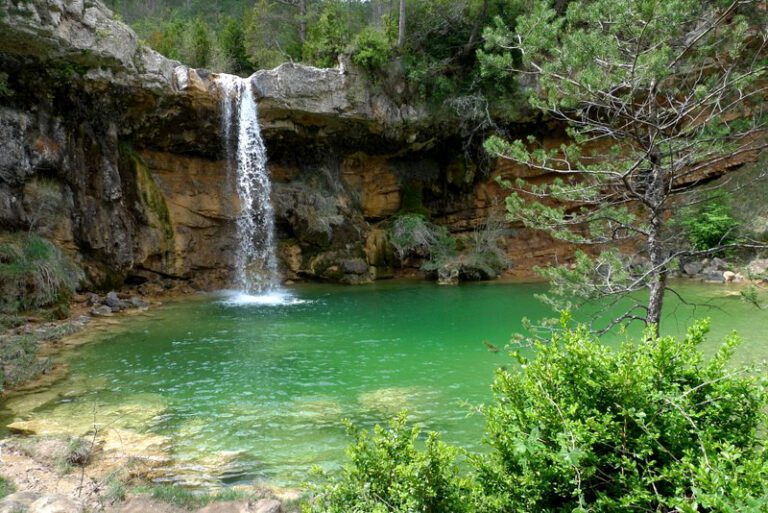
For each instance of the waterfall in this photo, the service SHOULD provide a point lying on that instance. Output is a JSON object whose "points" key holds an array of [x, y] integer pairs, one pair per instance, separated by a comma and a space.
{"points": [[256, 260]]}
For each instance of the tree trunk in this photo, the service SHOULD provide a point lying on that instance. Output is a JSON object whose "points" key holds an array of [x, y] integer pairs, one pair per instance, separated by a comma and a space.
{"points": [[656, 252], [401, 26], [302, 21], [658, 283]]}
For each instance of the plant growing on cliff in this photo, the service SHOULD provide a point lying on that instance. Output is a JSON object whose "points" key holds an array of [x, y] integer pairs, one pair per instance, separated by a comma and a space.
{"points": [[35, 274], [654, 97]]}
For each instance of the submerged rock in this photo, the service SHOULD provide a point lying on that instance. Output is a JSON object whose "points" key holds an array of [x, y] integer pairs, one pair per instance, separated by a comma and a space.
{"points": [[393, 400]]}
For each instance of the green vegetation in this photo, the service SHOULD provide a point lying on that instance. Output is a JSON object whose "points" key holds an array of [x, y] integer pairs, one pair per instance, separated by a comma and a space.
{"points": [[387, 473], [652, 426], [710, 224], [35, 274], [436, 60], [191, 499], [647, 100], [414, 235], [6, 488], [5, 89], [76, 453], [479, 257]]}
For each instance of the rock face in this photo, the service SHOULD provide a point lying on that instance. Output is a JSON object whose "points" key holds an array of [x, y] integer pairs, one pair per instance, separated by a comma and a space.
{"points": [[115, 153]]}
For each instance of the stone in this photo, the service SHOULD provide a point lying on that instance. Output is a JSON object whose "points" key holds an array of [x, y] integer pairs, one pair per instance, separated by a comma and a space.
{"points": [[448, 275], [54, 504], [719, 264], [729, 277], [354, 266], [758, 267], [18, 501], [260, 506], [712, 276], [692, 268], [101, 311], [114, 302], [267, 506], [137, 302]]}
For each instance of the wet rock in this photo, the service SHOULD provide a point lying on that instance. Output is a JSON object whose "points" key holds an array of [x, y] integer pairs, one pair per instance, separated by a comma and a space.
{"points": [[711, 275], [447, 275], [19, 501], [54, 504]]}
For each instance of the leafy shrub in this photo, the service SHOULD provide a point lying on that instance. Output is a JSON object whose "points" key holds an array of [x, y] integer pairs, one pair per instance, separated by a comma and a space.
{"points": [[371, 49], [387, 473], [413, 235], [6, 488], [18, 360], [650, 427], [711, 225], [329, 36], [35, 274], [5, 90]]}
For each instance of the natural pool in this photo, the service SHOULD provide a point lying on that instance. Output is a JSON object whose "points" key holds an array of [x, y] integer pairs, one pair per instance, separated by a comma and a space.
{"points": [[253, 392]]}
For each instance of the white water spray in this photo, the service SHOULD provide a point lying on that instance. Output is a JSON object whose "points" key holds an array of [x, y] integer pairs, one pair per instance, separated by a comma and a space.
{"points": [[256, 260]]}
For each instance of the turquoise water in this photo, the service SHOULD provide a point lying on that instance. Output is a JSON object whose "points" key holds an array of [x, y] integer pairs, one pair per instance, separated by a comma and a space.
{"points": [[258, 393]]}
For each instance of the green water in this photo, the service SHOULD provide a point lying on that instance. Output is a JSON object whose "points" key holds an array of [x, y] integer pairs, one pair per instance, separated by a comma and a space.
{"points": [[253, 393]]}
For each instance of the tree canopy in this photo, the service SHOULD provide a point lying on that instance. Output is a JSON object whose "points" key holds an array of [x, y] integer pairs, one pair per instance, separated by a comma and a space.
{"points": [[653, 96]]}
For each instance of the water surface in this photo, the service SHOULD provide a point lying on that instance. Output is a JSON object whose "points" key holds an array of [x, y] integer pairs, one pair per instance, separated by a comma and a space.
{"points": [[241, 393]]}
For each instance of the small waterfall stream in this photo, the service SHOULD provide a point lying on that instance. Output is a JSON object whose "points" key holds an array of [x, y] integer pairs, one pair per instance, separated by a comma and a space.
{"points": [[256, 270]]}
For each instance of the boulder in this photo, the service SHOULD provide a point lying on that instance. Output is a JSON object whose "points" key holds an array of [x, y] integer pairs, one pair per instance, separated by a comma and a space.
{"points": [[137, 302], [54, 504], [267, 506], [692, 268], [101, 311], [19, 501], [114, 302], [712, 276], [758, 267]]}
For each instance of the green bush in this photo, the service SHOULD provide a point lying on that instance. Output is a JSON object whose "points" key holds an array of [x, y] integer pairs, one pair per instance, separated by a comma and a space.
{"points": [[652, 426], [388, 474], [6, 488], [329, 36], [711, 225], [35, 274], [371, 49], [413, 235]]}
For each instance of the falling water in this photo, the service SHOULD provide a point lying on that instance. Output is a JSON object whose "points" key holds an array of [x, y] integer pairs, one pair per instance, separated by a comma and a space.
{"points": [[255, 262]]}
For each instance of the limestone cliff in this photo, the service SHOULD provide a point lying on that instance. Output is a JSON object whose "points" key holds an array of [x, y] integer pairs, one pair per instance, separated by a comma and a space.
{"points": [[115, 153]]}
